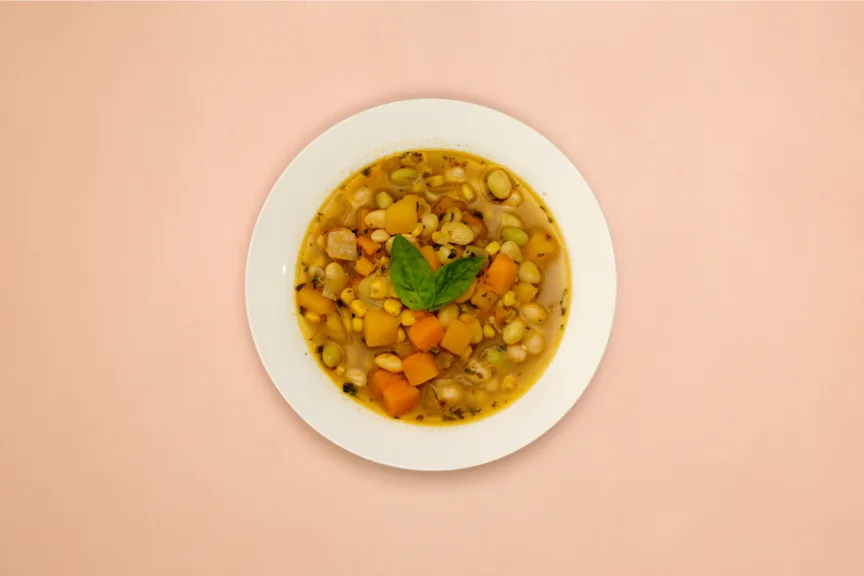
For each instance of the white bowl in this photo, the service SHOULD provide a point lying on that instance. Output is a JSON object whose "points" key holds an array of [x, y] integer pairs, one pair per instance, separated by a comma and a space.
{"points": [[344, 149]]}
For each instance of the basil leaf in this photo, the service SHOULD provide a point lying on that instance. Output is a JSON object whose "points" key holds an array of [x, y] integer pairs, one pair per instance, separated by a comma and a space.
{"points": [[453, 279], [411, 275], [418, 287]]}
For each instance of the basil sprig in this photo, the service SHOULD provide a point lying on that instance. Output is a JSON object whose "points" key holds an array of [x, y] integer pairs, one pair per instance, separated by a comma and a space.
{"points": [[421, 289]]}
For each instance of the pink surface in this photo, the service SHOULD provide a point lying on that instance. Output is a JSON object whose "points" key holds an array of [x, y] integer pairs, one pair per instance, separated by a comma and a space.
{"points": [[722, 435]]}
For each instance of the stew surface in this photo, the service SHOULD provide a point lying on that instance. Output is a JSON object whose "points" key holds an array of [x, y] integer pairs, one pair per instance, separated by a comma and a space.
{"points": [[433, 287]]}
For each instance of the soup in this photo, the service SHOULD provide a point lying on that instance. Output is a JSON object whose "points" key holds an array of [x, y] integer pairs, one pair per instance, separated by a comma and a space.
{"points": [[432, 287]]}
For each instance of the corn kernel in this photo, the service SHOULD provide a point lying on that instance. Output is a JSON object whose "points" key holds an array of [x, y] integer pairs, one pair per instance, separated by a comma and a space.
{"points": [[492, 248], [408, 318], [468, 192], [340, 370], [347, 296], [357, 324], [400, 336], [509, 298], [418, 230], [393, 306], [467, 354], [439, 238], [358, 308], [488, 331], [312, 317], [377, 289]]}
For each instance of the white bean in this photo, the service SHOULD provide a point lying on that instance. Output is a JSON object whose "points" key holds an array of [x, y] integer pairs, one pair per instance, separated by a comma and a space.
{"points": [[458, 233], [534, 313], [534, 342], [376, 219], [509, 220], [356, 377], [513, 332], [478, 371], [512, 250], [516, 353], [389, 362], [380, 235], [450, 394], [430, 222]]}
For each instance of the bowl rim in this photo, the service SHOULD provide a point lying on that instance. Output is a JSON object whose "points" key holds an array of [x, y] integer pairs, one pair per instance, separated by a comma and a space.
{"points": [[342, 150]]}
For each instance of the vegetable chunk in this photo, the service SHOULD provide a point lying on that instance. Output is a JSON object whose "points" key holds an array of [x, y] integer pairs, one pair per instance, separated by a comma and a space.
{"points": [[400, 398], [401, 217], [380, 328], [541, 249], [502, 273], [458, 337], [380, 380], [342, 244], [419, 368], [310, 299], [426, 333]]}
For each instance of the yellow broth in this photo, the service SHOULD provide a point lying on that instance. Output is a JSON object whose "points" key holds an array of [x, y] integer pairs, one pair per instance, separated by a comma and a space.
{"points": [[341, 277]]}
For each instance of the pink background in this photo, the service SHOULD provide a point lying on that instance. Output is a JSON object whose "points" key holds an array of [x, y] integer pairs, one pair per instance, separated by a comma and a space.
{"points": [[723, 433]]}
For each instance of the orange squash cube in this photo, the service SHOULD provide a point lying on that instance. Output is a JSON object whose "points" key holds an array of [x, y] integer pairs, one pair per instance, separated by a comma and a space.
{"points": [[426, 333], [541, 249], [502, 273], [380, 380], [420, 367], [457, 337], [401, 216], [484, 297], [311, 299], [400, 398], [380, 328], [368, 246], [364, 266]]}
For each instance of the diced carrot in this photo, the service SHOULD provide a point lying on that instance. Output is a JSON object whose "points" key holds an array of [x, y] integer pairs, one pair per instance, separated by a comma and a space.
{"points": [[400, 398], [457, 337], [368, 246], [419, 367], [363, 266], [502, 273], [431, 256], [541, 248], [312, 300], [426, 333], [484, 297], [380, 328], [380, 380]]}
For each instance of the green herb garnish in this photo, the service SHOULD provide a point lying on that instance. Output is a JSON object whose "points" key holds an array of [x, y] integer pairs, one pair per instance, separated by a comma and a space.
{"points": [[421, 289]]}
